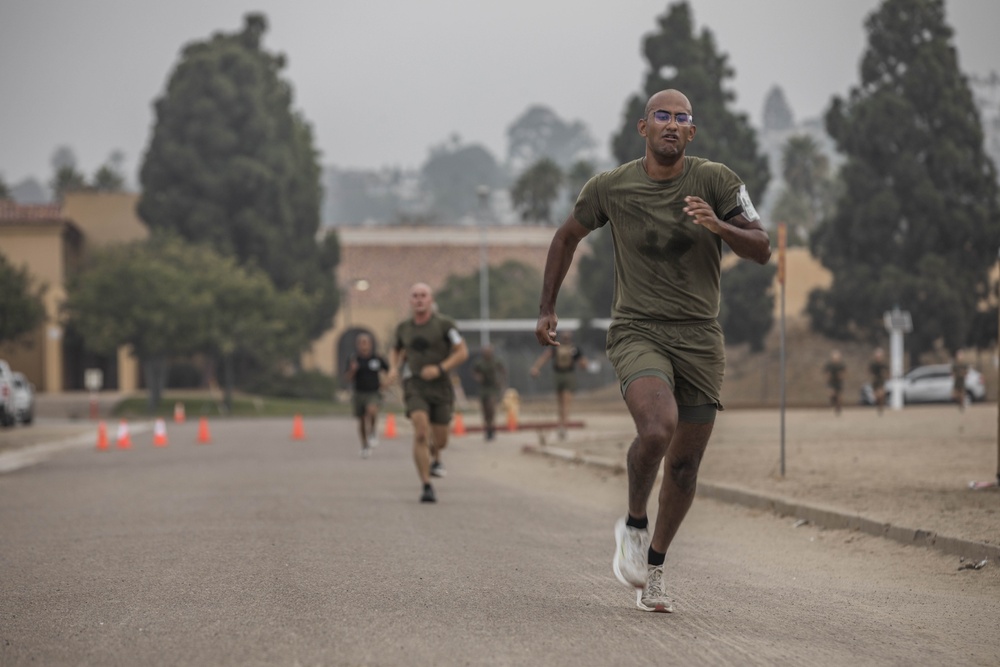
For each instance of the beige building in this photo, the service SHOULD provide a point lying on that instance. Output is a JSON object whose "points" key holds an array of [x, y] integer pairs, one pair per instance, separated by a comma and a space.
{"points": [[51, 241]]}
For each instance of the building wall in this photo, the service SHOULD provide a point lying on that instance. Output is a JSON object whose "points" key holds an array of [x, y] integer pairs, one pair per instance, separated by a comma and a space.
{"points": [[41, 247], [105, 218], [389, 260]]}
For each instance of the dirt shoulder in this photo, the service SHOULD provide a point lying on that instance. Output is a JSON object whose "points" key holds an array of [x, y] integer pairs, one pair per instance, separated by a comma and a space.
{"points": [[910, 468]]}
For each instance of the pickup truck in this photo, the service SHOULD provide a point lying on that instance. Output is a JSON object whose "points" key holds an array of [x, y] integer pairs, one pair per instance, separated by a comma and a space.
{"points": [[7, 413]]}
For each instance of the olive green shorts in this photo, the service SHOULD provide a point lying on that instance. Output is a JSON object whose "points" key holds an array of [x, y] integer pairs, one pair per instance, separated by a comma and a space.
{"points": [[436, 398], [690, 357], [565, 381], [362, 399]]}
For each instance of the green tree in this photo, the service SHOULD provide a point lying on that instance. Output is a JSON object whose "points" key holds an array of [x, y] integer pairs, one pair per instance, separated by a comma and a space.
{"points": [[21, 306], [536, 190], [4, 190], [919, 217], [692, 64], [540, 133], [778, 115], [513, 294], [167, 298], [746, 313], [229, 163], [452, 176], [579, 173], [809, 188], [596, 275], [109, 177], [66, 177]]}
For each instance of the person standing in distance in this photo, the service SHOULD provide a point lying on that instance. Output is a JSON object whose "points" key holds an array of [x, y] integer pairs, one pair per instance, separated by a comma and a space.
{"points": [[491, 375], [835, 369], [669, 214], [427, 347], [565, 359], [364, 372], [879, 372]]}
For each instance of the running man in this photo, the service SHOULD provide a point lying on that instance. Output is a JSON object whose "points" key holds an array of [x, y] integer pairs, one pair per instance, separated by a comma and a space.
{"points": [[427, 347], [491, 375], [669, 215], [834, 370], [364, 373], [879, 371], [959, 371], [565, 359]]}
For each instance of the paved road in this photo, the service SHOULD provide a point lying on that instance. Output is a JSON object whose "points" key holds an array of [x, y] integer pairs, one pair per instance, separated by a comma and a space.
{"points": [[259, 550]]}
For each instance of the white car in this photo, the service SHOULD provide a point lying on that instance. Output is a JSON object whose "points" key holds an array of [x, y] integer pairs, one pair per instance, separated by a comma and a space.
{"points": [[7, 413], [24, 399], [930, 384]]}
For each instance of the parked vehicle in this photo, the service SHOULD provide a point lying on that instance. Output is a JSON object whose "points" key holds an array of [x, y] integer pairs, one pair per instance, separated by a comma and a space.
{"points": [[7, 417], [930, 384], [24, 399]]}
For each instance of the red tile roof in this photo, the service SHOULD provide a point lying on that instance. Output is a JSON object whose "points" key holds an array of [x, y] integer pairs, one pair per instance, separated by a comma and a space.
{"points": [[11, 211]]}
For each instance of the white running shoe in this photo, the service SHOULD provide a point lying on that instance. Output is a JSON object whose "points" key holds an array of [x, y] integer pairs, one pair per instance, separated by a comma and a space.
{"points": [[631, 551], [437, 469], [654, 596], [373, 441]]}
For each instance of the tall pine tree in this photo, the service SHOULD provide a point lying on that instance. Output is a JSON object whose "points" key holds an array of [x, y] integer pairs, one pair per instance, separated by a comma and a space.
{"points": [[230, 163], [918, 219]]}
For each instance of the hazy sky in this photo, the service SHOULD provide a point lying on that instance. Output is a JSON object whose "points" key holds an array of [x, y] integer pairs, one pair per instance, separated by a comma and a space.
{"points": [[382, 81]]}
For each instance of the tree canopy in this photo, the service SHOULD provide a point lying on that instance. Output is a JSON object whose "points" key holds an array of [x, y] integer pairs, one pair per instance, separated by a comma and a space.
{"points": [[452, 176], [536, 190], [746, 311], [809, 188], [168, 298], [918, 220], [21, 307], [231, 164], [539, 133]]}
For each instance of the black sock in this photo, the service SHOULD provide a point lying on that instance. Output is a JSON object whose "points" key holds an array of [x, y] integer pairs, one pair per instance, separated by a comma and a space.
{"points": [[655, 557], [427, 486], [641, 524]]}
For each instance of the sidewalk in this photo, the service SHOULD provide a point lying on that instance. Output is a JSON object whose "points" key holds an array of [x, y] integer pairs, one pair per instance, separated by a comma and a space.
{"points": [[903, 475]]}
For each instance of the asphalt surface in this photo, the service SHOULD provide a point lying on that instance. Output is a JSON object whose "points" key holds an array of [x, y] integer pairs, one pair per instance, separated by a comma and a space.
{"points": [[256, 549]]}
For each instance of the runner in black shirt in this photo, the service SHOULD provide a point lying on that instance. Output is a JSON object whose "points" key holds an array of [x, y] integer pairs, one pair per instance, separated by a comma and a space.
{"points": [[364, 372]]}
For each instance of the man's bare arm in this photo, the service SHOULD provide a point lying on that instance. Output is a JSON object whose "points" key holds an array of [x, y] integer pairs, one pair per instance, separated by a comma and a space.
{"points": [[557, 263], [747, 238]]}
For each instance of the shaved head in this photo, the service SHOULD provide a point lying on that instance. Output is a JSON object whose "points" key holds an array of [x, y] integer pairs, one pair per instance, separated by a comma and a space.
{"points": [[667, 99]]}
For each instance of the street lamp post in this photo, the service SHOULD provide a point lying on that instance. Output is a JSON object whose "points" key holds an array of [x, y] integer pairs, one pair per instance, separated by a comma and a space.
{"points": [[484, 263]]}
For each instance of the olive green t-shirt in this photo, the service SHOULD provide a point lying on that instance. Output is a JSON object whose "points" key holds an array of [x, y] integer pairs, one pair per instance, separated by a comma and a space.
{"points": [[426, 344], [666, 266]]}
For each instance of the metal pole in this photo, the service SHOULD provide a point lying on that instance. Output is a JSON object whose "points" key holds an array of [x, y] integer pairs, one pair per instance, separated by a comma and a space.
{"points": [[782, 232], [998, 370], [484, 270]]}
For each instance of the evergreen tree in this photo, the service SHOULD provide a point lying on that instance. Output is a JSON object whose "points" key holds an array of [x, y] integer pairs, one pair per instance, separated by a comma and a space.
{"points": [[452, 175], [231, 164], [808, 194], [777, 113], [536, 190], [21, 307], [746, 311], [918, 220]]}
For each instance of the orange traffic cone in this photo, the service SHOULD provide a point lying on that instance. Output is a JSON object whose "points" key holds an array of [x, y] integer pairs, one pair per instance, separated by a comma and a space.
{"points": [[511, 420], [160, 433], [179, 416], [124, 439], [459, 427], [102, 437], [203, 435], [390, 426], [298, 430]]}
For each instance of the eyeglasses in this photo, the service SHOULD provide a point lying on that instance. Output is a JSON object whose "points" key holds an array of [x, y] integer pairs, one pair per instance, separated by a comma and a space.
{"points": [[661, 116]]}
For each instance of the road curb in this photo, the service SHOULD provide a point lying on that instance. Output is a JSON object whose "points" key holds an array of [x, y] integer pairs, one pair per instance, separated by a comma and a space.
{"points": [[824, 517]]}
